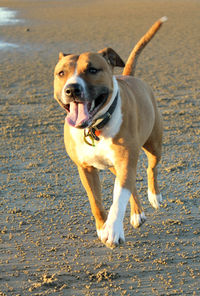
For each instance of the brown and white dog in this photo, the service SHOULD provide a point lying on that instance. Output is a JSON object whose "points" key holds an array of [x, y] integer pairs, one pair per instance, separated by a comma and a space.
{"points": [[109, 119]]}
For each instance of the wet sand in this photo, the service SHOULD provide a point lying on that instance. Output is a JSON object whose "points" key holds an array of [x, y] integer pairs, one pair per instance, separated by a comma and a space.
{"points": [[48, 242]]}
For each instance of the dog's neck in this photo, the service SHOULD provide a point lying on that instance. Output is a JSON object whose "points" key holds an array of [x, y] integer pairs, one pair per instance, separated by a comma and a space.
{"points": [[108, 120], [106, 108]]}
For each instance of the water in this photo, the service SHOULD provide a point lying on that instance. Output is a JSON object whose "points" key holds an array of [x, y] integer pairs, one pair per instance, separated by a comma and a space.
{"points": [[7, 17], [5, 45]]}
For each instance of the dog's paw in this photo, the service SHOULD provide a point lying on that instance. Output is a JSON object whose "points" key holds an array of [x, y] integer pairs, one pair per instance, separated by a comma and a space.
{"points": [[154, 199], [138, 219], [112, 234]]}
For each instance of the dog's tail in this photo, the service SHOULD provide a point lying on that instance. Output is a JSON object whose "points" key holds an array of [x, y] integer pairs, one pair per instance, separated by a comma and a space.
{"points": [[130, 66]]}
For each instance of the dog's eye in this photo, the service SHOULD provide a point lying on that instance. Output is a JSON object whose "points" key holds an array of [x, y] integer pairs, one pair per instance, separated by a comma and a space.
{"points": [[61, 73], [93, 70]]}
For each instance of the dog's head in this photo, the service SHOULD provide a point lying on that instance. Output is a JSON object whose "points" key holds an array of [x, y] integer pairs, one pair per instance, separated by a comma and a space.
{"points": [[83, 84]]}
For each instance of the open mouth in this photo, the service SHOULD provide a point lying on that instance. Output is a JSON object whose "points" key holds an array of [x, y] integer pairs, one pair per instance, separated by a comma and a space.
{"points": [[81, 114]]}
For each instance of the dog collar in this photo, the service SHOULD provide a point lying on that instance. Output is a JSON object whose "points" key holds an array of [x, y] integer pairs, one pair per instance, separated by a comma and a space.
{"points": [[93, 131]]}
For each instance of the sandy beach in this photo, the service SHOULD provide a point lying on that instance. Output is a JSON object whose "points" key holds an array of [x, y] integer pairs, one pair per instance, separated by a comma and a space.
{"points": [[48, 241]]}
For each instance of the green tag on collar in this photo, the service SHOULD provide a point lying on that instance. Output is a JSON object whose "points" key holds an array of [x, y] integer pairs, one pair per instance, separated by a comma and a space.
{"points": [[89, 135]]}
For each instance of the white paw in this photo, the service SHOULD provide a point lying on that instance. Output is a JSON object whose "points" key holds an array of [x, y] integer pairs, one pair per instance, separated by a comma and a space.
{"points": [[154, 199], [138, 219], [112, 233]]}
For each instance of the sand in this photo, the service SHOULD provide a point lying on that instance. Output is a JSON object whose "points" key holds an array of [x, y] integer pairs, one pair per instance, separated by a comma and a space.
{"points": [[48, 242]]}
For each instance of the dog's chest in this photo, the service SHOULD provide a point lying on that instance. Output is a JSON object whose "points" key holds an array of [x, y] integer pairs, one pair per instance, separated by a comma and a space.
{"points": [[100, 156]]}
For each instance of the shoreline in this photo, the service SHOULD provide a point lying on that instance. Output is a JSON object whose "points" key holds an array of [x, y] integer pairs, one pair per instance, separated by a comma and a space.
{"points": [[8, 18]]}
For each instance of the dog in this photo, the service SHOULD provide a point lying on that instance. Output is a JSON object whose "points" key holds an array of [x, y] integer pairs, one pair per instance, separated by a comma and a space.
{"points": [[109, 119]]}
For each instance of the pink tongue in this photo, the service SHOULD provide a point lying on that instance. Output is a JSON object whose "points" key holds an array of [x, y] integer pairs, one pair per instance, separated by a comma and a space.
{"points": [[78, 114]]}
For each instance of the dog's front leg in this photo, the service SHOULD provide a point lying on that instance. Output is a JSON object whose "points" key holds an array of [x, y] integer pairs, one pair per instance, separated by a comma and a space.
{"points": [[90, 180], [112, 233]]}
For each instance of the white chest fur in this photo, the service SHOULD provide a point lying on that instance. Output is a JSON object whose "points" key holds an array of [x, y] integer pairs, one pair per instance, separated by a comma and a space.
{"points": [[101, 156]]}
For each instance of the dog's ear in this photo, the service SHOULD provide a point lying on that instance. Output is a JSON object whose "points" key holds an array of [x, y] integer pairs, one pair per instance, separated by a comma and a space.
{"points": [[62, 55], [112, 57]]}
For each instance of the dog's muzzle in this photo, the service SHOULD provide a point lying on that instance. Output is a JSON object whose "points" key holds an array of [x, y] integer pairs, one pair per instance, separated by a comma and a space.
{"points": [[74, 90], [81, 108]]}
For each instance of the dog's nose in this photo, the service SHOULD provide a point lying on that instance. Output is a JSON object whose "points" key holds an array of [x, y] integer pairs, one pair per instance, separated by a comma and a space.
{"points": [[74, 90]]}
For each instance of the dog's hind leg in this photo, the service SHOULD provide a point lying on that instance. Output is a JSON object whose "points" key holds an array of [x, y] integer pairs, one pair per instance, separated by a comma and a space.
{"points": [[153, 149], [137, 215]]}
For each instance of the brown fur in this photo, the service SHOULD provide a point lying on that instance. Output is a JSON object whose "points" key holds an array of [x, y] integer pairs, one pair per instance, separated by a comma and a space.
{"points": [[141, 126], [129, 69]]}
